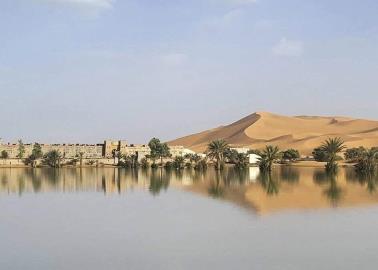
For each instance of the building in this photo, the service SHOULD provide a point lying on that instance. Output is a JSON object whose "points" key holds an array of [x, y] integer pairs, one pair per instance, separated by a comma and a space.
{"points": [[254, 159], [107, 150]]}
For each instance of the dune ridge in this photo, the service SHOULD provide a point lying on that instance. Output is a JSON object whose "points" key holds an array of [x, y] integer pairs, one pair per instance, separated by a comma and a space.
{"points": [[301, 132]]}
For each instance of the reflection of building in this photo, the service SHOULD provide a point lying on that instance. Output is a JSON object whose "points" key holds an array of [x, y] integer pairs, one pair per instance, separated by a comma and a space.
{"points": [[253, 174], [105, 150]]}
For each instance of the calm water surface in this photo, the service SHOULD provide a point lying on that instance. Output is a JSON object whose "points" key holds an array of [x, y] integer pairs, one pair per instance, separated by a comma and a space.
{"points": [[297, 218]]}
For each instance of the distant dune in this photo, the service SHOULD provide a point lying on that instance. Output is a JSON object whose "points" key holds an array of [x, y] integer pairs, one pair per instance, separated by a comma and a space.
{"points": [[300, 132]]}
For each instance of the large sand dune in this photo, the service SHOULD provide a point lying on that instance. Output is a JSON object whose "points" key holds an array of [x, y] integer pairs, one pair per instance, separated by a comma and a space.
{"points": [[300, 132]]}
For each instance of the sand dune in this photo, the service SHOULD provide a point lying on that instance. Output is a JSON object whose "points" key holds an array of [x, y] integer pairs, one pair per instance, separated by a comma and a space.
{"points": [[301, 132]]}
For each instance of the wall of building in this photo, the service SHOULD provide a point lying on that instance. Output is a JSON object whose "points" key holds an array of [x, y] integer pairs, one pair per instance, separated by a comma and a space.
{"points": [[106, 150]]}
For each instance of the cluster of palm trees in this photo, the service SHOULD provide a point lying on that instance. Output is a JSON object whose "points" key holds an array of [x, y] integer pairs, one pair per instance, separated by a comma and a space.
{"points": [[219, 151], [366, 162]]}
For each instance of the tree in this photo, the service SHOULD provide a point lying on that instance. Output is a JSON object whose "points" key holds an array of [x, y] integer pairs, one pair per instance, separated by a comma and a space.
{"points": [[367, 163], [21, 149], [4, 154], [53, 159], [254, 151], [319, 155], [35, 155], [231, 155], [193, 158], [331, 147], [201, 165], [179, 163], [37, 151], [216, 150], [144, 163], [354, 154], [242, 161], [158, 150], [267, 157], [290, 154]]}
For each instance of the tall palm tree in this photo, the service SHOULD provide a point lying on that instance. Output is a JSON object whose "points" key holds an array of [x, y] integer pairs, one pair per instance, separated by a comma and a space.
{"points": [[331, 147], [216, 150], [268, 156]]}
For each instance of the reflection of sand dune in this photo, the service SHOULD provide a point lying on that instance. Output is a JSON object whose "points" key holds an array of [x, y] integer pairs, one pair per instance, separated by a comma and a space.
{"points": [[301, 132], [288, 187], [306, 194]]}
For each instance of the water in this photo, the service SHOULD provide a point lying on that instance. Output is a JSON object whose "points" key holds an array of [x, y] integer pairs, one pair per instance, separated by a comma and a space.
{"points": [[298, 218]]}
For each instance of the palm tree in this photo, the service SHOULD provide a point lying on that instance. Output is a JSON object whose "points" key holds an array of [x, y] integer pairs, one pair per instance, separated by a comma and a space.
{"points": [[241, 161], [331, 147], [268, 156], [178, 162], [53, 159], [367, 164], [216, 150]]}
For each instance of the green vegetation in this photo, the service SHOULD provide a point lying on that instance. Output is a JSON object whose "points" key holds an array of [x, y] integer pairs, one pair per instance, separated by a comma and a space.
{"points": [[217, 150], [367, 162], [158, 150], [290, 155], [267, 157], [331, 147], [254, 151], [4, 154], [241, 161], [52, 159], [201, 165], [319, 154], [354, 154], [128, 161], [179, 163], [37, 151], [35, 155], [144, 163], [21, 149]]}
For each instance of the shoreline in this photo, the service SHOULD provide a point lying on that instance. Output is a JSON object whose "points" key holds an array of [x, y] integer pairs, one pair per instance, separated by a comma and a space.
{"points": [[300, 164]]}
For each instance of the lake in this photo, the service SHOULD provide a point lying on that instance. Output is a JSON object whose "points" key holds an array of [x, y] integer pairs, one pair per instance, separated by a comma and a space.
{"points": [[106, 218]]}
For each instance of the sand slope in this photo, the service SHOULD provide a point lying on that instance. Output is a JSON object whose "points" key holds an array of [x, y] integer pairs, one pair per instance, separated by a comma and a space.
{"points": [[301, 132]]}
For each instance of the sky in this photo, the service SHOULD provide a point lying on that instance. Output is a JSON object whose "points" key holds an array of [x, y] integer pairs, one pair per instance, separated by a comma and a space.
{"points": [[89, 70]]}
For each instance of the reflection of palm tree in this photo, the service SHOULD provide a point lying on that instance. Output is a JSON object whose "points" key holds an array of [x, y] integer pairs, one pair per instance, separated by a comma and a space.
{"points": [[103, 184], [158, 182], [215, 190], [289, 174], [21, 185], [36, 181], [332, 191], [371, 184], [269, 184], [368, 179]]}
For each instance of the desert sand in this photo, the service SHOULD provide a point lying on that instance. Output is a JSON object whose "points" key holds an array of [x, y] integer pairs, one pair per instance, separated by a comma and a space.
{"points": [[300, 132]]}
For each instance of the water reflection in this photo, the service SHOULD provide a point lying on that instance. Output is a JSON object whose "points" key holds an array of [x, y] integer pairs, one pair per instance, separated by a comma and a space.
{"points": [[329, 179], [215, 190], [285, 188], [269, 182]]}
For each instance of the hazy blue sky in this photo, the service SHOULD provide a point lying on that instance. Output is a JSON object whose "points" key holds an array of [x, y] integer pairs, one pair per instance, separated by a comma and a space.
{"points": [[86, 70]]}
